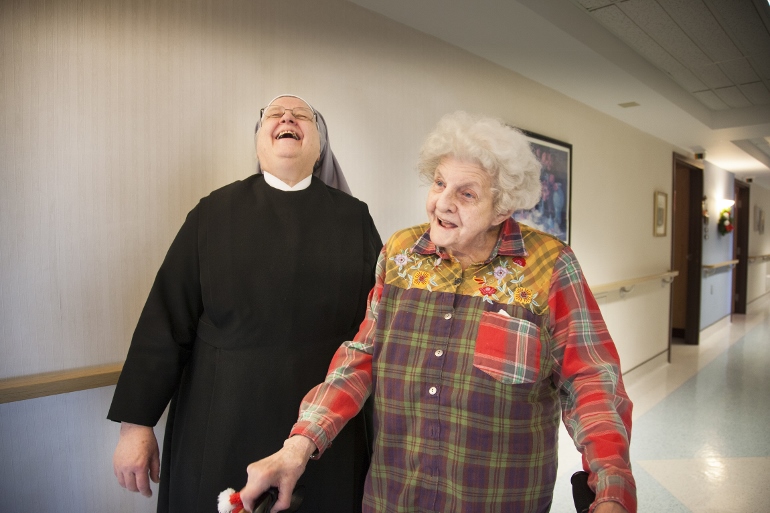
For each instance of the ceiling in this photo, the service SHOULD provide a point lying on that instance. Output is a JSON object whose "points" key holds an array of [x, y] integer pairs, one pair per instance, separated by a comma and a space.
{"points": [[695, 73]]}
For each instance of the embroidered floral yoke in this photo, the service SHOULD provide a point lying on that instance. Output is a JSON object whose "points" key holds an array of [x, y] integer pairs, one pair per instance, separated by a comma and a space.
{"points": [[470, 371]]}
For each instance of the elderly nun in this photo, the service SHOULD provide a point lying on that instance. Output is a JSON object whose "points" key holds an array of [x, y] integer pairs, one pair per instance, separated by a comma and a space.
{"points": [[264, 281], [480, 334]]}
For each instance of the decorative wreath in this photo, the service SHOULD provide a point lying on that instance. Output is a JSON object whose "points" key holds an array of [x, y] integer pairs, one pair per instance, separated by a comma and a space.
{"points": [[725, 223]]}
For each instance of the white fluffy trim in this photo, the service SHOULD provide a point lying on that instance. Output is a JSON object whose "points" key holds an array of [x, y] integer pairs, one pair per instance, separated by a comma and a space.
{"points": [[224, 501]]}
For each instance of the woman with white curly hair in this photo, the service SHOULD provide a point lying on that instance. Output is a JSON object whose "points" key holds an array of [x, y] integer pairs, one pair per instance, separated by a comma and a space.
{"points": [[480, 334]]}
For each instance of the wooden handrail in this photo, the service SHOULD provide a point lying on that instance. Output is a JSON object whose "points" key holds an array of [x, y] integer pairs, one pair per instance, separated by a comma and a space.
{"points": [[711, 269], [627, 285], [729, 263], [761, 258], [60, 382]]}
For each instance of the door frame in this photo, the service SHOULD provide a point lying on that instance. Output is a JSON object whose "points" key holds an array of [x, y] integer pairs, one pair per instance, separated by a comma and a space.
{"points": [[695, 247], [741, 247]]}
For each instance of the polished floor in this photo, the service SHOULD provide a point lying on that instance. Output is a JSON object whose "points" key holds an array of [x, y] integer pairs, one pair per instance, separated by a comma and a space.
{"points": [[701, 433]]}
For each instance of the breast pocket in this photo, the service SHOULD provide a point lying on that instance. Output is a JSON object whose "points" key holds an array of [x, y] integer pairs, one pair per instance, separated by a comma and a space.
{"points": [[508, 349]]}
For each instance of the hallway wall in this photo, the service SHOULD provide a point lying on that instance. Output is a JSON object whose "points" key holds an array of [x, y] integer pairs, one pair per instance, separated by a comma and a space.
{"points": [[718, 185], [759, 243], [116, 117]]}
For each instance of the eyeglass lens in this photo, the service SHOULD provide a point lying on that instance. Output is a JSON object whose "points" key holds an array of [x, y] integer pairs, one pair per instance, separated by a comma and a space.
{"points": [[276, 111]]}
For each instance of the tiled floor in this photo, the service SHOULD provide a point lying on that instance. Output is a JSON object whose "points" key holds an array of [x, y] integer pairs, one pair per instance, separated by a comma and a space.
{"points": [[701, 434]]}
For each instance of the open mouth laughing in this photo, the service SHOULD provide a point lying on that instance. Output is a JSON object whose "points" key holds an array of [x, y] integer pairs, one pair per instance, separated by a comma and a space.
{"points": [[288, 134]]}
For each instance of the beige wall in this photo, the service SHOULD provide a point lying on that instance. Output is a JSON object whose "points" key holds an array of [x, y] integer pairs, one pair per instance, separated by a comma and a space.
{"points": [[759, 244], [116, 117]]}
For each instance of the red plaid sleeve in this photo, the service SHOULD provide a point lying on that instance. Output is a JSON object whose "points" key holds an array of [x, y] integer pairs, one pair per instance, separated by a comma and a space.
{"points": [[328, 407], [595, 408]]}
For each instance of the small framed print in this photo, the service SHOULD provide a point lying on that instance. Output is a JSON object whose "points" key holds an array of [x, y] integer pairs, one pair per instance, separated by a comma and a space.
{"points": [[660, 214]]}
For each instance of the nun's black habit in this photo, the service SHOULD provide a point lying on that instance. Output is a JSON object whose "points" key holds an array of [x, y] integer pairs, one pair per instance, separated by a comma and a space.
{"points": [[257, 291]]}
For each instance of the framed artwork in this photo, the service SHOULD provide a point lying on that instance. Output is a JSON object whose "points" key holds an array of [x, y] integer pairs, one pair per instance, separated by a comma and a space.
{"points": [[756, 218], [660, 214], [552, 214]]}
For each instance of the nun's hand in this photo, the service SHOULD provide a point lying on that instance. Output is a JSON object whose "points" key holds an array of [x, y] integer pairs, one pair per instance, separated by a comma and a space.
{"points": [[136, 458]]}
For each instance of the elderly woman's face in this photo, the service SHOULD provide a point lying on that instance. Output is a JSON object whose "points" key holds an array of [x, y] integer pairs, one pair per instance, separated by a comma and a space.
{"points": [[461, 209], [288, 140]]}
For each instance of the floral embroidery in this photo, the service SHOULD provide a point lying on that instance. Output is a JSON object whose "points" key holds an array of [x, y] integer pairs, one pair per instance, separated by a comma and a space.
{"points": [[501, 272], [486, 290], [414, 275], [501, 282], [522, 295], [421, 279], [401, 259]]}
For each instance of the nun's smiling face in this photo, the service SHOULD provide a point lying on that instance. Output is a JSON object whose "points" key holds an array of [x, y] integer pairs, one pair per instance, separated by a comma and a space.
{"points": [[288, 140]]}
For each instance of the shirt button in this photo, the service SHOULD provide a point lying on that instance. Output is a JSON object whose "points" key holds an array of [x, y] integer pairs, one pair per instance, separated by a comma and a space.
{"points": [[447, 316], [458, 281], [432, 390], [439, 352]]}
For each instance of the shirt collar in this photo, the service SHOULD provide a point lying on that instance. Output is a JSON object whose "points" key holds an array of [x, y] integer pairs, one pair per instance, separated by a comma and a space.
{"points": [[509, 243], [276, 183]]}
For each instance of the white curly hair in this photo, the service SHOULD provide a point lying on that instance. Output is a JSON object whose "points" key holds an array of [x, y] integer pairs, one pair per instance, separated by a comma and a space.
{"points": [[501, 150]]}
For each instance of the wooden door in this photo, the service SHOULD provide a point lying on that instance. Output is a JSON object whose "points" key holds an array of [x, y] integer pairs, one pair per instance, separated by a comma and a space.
{"points": [[686, 253], [741, 247]]}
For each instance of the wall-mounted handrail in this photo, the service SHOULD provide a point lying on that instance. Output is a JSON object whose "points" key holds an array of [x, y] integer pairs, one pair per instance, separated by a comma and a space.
{"points": [[59, 382], [62, 382], [758, 258], [727, 263], [625, 286], [710, 269]]}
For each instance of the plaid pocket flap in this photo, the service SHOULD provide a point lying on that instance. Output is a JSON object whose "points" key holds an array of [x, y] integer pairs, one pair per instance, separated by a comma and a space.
{"points": [[508, 349]]}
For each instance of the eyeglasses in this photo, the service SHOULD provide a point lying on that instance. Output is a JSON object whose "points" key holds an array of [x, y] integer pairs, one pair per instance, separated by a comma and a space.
{"points": [[277, 111]]}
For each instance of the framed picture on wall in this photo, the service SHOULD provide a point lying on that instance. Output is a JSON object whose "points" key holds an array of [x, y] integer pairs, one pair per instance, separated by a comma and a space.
{"points": [[552, 214], [660, 214]]}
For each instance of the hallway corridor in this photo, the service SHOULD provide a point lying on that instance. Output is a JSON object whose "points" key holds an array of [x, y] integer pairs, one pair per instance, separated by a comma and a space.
{"points": [[701, 435]]}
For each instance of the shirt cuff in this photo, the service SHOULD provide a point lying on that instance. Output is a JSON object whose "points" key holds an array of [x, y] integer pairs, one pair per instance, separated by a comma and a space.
{"points": [[315, 433], [616, 487]]}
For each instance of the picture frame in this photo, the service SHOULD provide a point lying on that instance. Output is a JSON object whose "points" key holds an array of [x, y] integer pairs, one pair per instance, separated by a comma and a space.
{"points": [[659, 214], [756, 218], [553, 214]]}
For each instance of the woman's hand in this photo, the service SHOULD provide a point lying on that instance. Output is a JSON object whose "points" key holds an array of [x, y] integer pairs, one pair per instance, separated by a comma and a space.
{"points": [[136, 457], [281, 470]]}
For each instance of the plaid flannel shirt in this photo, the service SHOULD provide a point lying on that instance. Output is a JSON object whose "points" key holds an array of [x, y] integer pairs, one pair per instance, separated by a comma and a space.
{"points": [[470, 371]]}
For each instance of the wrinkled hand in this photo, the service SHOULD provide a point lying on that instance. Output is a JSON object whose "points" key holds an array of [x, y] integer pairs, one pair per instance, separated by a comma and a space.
{"points": [[136, 457], [281, 470], [610, 507]]}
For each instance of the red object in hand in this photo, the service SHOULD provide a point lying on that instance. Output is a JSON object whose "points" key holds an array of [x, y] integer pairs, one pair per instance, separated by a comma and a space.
{"points": [[230, 502]]}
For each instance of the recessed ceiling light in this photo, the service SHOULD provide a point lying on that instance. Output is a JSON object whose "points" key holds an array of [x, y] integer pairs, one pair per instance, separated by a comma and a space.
{"points": [[634, 104]]}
